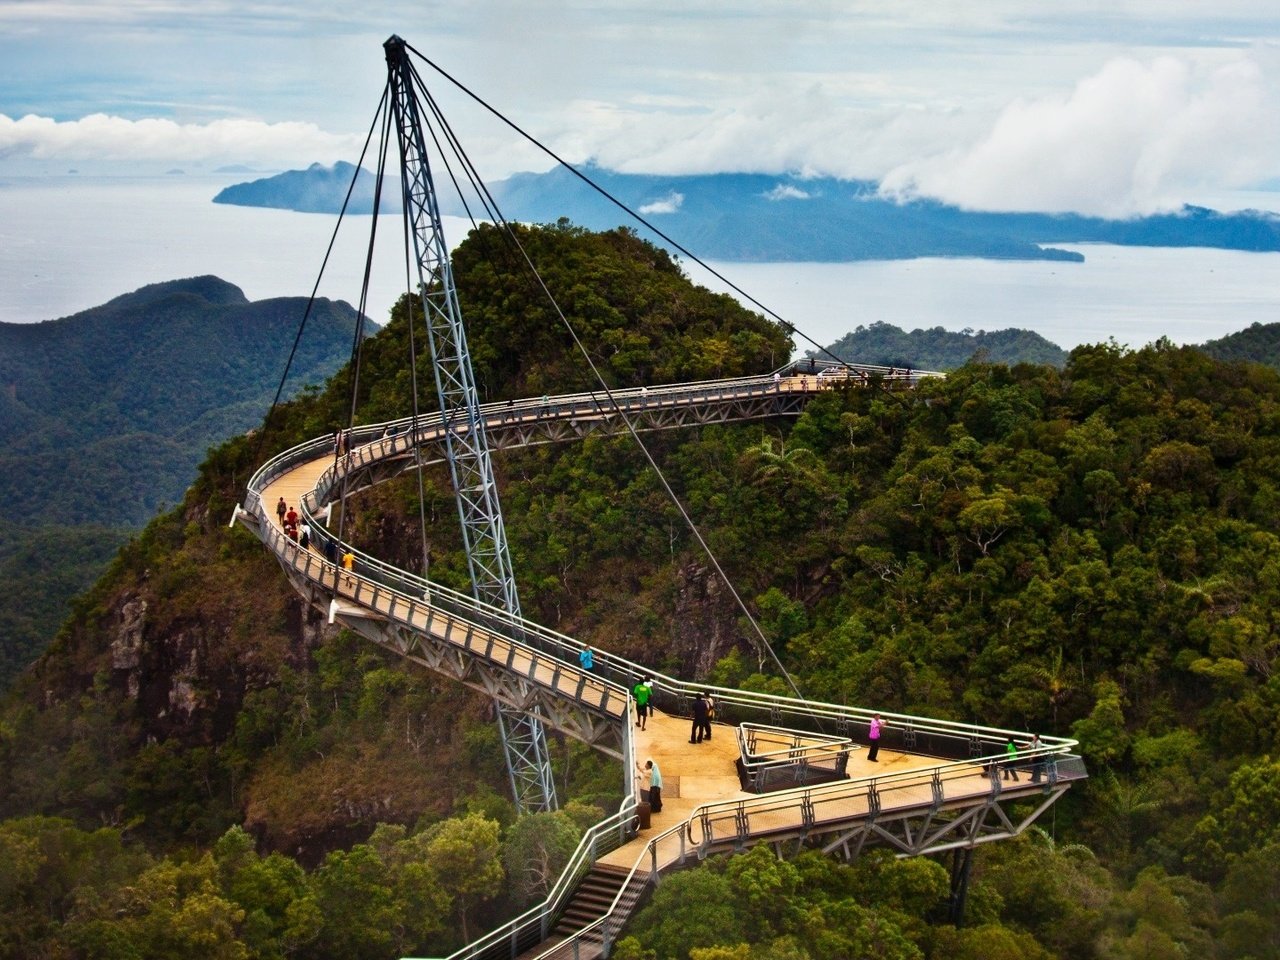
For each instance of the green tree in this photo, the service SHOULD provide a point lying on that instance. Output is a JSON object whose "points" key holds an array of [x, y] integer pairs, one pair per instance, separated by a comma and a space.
{"points": [[694, 908], [535, 851], [466, 857]]}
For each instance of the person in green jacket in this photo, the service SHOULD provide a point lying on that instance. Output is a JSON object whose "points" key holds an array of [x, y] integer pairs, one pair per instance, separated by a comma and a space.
{"points": [[642, 692], [1011, 755]]}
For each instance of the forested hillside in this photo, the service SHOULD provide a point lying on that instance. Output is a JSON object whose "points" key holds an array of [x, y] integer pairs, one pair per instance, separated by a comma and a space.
{"points": [[1092, 551], [939, 349], [105, 416], [1260, 343]]}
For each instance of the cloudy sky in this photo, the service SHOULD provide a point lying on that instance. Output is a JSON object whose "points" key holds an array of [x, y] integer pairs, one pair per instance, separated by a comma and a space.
{"points": [[1114, 107]]}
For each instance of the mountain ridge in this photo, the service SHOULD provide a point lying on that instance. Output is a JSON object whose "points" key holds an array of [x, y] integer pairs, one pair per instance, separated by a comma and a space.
{"points": [[105, 415], [785, 217]]}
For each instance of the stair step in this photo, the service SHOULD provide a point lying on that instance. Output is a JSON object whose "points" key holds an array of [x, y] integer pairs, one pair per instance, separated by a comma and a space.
{"points": [[593, 896]]}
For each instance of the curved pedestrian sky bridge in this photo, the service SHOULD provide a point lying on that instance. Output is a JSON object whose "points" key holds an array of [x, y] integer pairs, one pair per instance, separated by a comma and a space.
{"points": [[777, 770]]}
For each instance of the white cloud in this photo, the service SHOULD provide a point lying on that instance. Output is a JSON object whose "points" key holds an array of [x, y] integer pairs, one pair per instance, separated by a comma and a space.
{"points": [[100, 137], [786, 191], [1132, 138], [1176, 102], [668, 204]]}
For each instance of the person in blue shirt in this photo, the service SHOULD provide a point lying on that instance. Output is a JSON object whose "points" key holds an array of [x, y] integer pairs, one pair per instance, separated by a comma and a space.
{"points": [[655, 786], [587, 659]]}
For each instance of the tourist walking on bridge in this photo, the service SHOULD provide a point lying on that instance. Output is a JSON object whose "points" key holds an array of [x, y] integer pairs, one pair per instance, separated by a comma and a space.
{"points": [[642, 692], [1010, 764], [1034, 745], [711, 714], [873, 734], [700, 722], [586, 658]]}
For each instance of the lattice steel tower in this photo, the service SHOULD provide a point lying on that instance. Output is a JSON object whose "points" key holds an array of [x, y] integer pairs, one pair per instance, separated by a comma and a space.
{"points": [[470, 466]]}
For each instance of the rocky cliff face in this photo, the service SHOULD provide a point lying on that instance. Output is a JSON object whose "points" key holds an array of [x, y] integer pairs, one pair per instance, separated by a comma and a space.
{"points": [[183, 644], [704, 628], [201, 682]]}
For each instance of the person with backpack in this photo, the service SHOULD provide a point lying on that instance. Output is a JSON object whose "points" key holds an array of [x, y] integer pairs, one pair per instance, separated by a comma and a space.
{"points": [[711, 714]]}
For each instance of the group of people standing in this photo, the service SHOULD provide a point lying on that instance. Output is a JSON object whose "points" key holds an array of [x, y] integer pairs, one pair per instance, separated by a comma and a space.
{"points": [[704, 711], [1009, 769], [294, 527]]}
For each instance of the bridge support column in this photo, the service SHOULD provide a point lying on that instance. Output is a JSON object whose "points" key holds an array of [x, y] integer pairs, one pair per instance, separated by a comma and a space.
{"points": [[961, 862], [528, 764]]}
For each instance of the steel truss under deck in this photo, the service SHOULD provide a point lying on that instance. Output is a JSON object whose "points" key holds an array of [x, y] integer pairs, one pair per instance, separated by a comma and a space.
{"points": [[520, 678], [530, 424], [936, 829]]}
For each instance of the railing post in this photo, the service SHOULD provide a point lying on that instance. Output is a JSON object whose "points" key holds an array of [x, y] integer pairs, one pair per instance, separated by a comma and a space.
{"points": [[742, 823], [993, 771]]}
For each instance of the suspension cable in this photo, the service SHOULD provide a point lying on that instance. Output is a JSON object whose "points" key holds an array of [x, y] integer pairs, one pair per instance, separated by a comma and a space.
{"points": [[297, 339], [357, 347], [787, 325], [411, 301], [507, 230]]}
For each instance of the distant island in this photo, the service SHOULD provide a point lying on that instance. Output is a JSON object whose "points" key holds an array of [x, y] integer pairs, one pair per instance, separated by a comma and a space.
{"points": [[785, 218], [939, 349], [943, 350], [317, 189]]}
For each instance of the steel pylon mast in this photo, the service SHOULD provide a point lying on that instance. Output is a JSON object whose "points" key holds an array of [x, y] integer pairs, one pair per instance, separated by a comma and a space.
{"points": [[470, 466]]}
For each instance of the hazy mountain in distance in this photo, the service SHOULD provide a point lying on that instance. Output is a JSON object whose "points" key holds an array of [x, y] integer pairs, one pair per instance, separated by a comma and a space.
{"points": [[785, 218], [939, 349], [154, 376], [1259, 343], [317, 189]]}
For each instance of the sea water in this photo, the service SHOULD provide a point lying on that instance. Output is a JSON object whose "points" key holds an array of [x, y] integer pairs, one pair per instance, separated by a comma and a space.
{"points": [[69, 243], [1134, 295]]}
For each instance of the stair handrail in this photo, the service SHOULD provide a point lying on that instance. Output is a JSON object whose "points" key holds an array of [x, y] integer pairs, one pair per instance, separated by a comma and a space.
{"points": [[590, 848], [650, 852]]}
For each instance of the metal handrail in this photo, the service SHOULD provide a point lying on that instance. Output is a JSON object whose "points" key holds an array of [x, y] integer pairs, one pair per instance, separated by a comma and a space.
{"points": [[841, 791], [596, 927], [561, 645], [547, 640], [824, 746], [593, 843]]}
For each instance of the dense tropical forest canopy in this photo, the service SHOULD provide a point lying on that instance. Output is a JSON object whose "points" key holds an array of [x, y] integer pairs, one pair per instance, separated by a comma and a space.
{"points": [[199, 764]]}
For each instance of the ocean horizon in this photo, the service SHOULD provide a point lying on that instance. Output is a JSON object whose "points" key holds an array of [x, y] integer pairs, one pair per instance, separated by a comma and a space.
{"points": [[70, 243]]}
